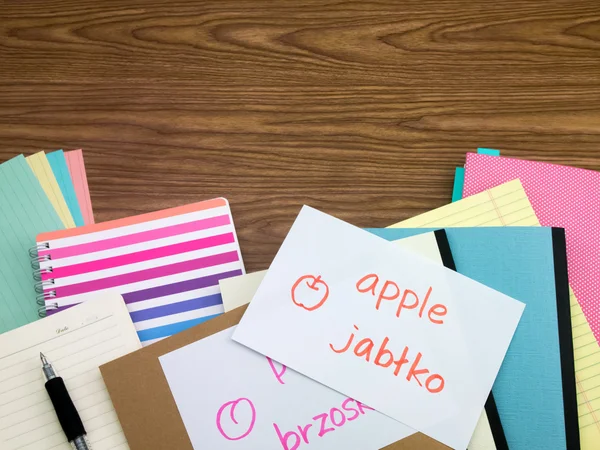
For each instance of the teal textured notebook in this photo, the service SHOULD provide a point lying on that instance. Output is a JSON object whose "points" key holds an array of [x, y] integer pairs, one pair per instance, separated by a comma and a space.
{"points": [[535, 388]]}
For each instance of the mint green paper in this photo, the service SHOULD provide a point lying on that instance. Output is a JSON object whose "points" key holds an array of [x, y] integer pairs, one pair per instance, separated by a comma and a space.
{"points": [[58, 163], [25, 211]]}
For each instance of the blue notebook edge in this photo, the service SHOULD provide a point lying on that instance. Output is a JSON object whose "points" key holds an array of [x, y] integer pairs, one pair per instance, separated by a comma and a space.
{"points": [[565, 332], [443, 244]]}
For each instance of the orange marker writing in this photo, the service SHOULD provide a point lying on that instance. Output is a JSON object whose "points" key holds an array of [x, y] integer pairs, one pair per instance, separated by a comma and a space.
{"points": [[302, 295]]}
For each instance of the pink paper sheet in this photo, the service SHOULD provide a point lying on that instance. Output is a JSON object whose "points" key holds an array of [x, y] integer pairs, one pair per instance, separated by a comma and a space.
{"points": [[561, 196], [77, 170]]}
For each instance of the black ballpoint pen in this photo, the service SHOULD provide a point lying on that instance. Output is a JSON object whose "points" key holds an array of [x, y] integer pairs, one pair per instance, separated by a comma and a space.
{"points": [[65, 409]]}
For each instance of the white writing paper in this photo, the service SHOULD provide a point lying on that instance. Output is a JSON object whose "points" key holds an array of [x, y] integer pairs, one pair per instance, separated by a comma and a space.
{"points": [[418, 342], [230, 397]]}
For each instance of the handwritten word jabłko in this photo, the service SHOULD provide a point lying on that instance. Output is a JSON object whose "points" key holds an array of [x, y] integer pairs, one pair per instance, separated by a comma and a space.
{"points": [[384, 291]]}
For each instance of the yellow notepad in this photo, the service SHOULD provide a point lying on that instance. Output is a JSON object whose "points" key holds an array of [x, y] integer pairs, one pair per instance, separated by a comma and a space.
{"points": [[508, 205], [43, 172]]}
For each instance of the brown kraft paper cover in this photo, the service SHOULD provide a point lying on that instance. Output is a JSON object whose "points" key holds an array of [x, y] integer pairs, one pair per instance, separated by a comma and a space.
{"points": [[144, 404]]}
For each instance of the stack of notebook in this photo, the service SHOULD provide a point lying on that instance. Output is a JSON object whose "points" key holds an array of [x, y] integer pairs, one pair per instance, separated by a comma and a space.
{"points": [[39, 193], [513, 267]]}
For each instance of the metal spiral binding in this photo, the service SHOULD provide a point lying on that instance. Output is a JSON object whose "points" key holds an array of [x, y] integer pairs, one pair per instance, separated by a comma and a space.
{"points": [[33, 251], [43, 310], [38, 272], [42, 285], [40, 299], [36, 260]]}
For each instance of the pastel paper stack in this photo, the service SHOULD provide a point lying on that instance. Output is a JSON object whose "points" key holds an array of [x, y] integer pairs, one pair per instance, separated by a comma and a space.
{"points": [[77, 171], [60, 169], [25, 211]]}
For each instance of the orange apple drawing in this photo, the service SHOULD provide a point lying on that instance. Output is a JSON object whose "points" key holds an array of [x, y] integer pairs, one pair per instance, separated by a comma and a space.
{"points": [[310, 292]]}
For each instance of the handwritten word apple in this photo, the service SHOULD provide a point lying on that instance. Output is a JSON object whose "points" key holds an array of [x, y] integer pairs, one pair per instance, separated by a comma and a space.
{"points": [[388, 291], [310, 292]]}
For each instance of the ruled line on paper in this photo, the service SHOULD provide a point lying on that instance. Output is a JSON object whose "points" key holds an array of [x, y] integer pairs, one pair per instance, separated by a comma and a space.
{"points": [[37, 344], [587, 368], [55, 360], [472, 208], [495, 207], [469, 208], [77, 342]]}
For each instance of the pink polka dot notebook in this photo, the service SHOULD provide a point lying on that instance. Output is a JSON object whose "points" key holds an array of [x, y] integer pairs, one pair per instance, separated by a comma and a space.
{"points": [[561, 196]]}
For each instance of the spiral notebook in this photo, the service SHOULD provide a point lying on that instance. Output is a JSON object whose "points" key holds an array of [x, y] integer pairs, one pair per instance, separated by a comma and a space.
{"points": [[166, 265]]}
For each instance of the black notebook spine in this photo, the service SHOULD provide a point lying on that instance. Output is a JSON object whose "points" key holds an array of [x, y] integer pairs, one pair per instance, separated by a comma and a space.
{"points": [[565, 334], [491, 409]]}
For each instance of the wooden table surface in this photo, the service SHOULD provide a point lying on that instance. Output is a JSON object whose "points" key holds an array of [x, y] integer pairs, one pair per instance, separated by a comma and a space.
{"points": [[359, 108]]}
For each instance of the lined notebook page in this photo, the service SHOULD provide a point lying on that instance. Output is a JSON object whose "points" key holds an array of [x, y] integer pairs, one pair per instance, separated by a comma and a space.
{"points": [[43, 172], [76, 342], [505, 205], [58, 163], [25, 211], [508, 205], [587, 375], [77, 170]]}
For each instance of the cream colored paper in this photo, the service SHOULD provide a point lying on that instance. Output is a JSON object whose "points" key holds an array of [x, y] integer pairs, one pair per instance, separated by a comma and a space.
{"points": [[76, 341], [238, 291], [482, 438], [43, 172], [508, 205]]}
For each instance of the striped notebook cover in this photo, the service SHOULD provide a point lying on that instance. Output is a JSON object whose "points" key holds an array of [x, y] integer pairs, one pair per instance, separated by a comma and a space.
{"points": [[166, 265]]}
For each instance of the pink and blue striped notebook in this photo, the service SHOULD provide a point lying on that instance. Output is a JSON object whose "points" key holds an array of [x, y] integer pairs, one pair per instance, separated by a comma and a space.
{"points": [[166, 265]]}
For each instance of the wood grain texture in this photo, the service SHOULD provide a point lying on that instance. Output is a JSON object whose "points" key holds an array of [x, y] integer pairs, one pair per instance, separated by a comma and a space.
{"points": [[359, 108]]}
